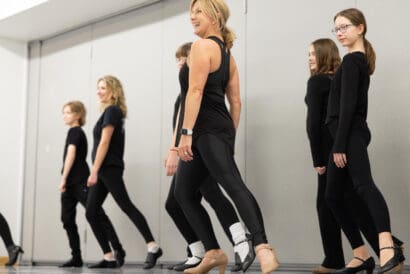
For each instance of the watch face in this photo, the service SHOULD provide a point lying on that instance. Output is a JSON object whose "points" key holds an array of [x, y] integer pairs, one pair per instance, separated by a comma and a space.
{"points": [[185, 131]]}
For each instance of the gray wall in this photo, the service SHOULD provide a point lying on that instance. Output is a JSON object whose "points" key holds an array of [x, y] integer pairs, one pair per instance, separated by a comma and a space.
{"points": [[13, 71], [272, 149]]}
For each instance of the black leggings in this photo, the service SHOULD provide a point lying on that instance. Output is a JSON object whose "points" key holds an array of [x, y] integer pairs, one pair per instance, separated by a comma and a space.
{"points": [[330, 228], [358, 171], [74, 194], [5, 232], [110, 181], [213, 157], [210, 190]]}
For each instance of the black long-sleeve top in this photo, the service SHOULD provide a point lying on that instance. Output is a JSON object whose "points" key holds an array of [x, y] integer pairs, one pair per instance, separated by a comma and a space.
{"points": [[316, 99], [348, 97]]}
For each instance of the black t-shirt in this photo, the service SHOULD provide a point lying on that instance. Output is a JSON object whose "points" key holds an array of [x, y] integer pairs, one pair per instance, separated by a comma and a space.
{"points": [[113, 116], [79, 172], [348, 98], [316, 98], [213, 117]]}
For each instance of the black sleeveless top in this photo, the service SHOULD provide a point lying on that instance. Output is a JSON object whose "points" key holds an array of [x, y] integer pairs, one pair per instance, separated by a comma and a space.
{"points": [[213, 117]]}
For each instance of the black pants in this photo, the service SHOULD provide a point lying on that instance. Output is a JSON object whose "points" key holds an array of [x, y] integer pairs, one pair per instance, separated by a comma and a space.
{"points": [[74, 194], [5, 232], [358, 171], [110, 181], [330, 229], [214, 157], [210, 190]]}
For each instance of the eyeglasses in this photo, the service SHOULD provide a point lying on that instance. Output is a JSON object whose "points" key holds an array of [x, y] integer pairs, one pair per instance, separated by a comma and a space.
{"points": [[341, 28]]}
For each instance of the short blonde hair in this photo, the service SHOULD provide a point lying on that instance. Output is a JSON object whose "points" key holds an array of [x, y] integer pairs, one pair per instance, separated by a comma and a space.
{"points": [[78, 108], [117, 93]]}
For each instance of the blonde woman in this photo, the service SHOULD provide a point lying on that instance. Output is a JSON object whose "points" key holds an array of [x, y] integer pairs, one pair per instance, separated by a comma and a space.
{"points": [[206, 146], [209, 189], [107, 171]]}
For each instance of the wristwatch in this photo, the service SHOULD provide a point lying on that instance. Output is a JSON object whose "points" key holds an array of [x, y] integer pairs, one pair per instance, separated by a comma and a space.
{"points": [[186, 131]]}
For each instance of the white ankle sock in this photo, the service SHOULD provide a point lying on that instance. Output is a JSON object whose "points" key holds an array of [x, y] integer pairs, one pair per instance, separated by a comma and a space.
{"points": [[153, 248], [238, 236], [192, 260], [237, 232], [197, 249]]}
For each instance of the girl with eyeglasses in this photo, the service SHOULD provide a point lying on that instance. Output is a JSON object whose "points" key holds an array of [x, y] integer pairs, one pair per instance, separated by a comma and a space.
{"points": [[324, 60], [349, 160]]}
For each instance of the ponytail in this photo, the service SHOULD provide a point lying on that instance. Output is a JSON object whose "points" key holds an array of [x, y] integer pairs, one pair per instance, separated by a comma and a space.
{"points": [[228, 36], [371, 55]]}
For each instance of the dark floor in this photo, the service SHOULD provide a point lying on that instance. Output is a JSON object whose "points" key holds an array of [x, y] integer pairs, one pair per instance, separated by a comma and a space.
{"points": [[124, 270], [84, 270]]}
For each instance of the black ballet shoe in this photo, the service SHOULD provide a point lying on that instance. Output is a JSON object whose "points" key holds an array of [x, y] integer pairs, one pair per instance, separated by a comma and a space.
{"points": [[189, 255], [14, 252], [119, 257], [394, 264], [104, 264], [250, 257], [367, 265], [185, 265], [399, 244], [171, 266], [151, 259], [238, 264], [73, 262]]}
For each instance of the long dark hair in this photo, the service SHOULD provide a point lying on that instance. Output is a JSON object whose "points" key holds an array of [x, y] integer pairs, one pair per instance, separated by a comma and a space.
{"points": [[357, 18], [327, 56]]}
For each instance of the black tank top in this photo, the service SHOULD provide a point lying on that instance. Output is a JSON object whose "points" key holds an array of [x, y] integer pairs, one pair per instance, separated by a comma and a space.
{"points": [[213, 117]]}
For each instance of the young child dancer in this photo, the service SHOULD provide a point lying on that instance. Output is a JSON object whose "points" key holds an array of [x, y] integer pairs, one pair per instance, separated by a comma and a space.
{"points": [[73, 186]]}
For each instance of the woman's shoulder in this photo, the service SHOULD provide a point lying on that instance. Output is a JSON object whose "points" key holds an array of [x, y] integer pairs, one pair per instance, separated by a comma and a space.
{"points": [[113, 111], [202, 44], [112, 108]]}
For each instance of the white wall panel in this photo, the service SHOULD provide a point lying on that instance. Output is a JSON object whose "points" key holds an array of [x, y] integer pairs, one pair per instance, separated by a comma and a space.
{"points": [[389, 113], [13, 70], [64, 76]]}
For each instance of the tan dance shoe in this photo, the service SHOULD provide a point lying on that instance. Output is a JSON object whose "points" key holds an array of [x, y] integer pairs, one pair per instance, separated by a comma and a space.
{"points": [[213, 258], [267, 258]]}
